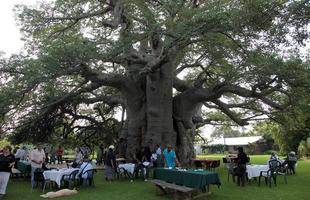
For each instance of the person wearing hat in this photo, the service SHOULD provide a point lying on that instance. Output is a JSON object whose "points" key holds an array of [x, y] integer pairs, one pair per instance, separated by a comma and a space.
{"points": [[110, 164], [291, 160]]}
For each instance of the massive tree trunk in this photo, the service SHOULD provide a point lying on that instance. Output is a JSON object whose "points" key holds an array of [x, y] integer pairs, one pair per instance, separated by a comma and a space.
{"points": [[185, 107], [149, 117], [136, 130], [159, 108], [157, 118], [135, 104]]}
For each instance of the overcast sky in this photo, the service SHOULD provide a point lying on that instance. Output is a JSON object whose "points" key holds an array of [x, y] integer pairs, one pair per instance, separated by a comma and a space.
{"points": [[9, 35]]}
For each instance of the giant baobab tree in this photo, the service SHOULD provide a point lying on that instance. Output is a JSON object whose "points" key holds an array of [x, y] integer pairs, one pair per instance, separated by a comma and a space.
{"points": [[166, 63]]}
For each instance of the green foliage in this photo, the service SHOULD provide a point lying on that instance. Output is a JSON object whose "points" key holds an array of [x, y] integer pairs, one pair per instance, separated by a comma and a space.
{"points": [[74, 46], [304, 147], [267, 128], [228, 130], [4, 142], [294, 124], [225, 131]]}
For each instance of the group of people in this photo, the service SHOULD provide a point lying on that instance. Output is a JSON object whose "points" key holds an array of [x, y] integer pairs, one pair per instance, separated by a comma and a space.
{"points": [[142, 159], [39, 157], [243, 159], [289, 161], [8, 159], [51, 155]]}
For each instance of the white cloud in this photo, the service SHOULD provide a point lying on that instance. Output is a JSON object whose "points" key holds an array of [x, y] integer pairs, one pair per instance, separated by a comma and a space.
{"points": [[10, 41]]}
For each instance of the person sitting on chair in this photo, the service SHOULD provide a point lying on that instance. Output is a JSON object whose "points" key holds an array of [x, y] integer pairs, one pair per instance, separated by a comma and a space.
{"points": [[273, 156], [138, 159], [86, 165], [291, 160], [78, 158]]}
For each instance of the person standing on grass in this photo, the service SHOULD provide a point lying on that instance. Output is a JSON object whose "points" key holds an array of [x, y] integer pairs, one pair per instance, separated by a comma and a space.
{"points": [[37, 158], [241, 167], [19, 155], [7, 160], [52, 159], [170, 157], [110, 164], [100, 153], [59, 153]]}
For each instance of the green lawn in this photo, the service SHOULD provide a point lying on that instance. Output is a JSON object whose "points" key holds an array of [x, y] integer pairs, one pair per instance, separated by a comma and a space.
{"points": [[297, 188]]}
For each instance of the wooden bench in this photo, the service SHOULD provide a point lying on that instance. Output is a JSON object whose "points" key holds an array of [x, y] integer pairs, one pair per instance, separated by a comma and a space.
{"points": [[165, 187]]}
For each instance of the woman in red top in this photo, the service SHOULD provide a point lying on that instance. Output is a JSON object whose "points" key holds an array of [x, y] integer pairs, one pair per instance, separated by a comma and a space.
{"points": [[59, 153]]}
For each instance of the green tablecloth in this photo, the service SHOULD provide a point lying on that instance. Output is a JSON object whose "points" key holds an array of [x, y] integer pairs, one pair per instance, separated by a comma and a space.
{"points": [[24, 167], [190, 178]]}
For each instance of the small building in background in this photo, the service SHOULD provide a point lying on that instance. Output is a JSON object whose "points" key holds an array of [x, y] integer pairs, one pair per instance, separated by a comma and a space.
{"points": [[251, 144]]}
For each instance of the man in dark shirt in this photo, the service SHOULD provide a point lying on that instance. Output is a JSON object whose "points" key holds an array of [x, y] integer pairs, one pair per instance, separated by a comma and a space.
{"points": [[242, 159], [6, 163], [138, 160], [110, 164], [147, 154]]}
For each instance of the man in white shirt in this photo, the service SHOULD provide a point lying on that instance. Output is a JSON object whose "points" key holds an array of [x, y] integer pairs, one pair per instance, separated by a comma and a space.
{"points": [[86, 165], [20, 154], [37, 158], [159, 157]]}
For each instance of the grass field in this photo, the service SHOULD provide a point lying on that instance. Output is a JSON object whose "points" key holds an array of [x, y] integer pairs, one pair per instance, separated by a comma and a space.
{"points": [[296, 189]]}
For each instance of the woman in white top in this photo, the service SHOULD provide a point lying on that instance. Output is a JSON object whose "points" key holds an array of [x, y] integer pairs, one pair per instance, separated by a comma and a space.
{"points": [[86, 165], [78, 158]]}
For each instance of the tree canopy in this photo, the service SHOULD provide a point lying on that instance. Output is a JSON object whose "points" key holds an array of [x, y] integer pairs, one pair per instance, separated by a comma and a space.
{"points": [[169, 64]]}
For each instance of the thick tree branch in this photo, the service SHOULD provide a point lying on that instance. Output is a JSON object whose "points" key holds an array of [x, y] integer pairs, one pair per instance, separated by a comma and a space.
{"points": [[180, 85], [224, 108], [110, 100], [250, 93], [95, 76]]}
